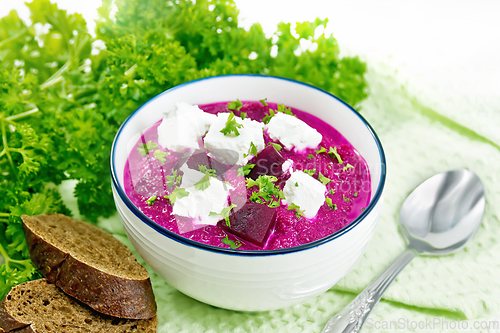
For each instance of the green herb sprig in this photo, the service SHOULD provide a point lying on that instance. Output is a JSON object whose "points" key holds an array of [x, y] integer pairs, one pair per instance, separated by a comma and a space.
{"points": [[268, 192], [232, 244], [231, 128], [236, 105]]}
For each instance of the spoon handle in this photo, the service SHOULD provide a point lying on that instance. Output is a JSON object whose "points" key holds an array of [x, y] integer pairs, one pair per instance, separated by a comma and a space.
{"points": [[352, 317]]}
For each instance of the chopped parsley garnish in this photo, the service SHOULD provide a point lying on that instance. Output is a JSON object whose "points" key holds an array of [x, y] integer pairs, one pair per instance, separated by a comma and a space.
{"points": [[311, 156], [232, 244], [263, 101], [268, 192], [296, 184], [160, 156], [224, 212], [330, 203], [276, 146], [231, 127], [348, 166], [177, 193], [321, 150], [243, 115], [151, 200], [207, 171], [281, 108], [332, 191], [203, 183], [310, 172], [285, 110], [329, 166], [173, 179], [362, 209], [236, 105], [298, 213], [251, 151], [245, 170], [274, 204], [323, 179], [345, 198], [356, 194], [333, 153], [268, 116], [145, 148]]}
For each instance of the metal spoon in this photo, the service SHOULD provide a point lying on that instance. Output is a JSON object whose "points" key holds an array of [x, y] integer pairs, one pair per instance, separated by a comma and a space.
{"points": [[439, 217]]}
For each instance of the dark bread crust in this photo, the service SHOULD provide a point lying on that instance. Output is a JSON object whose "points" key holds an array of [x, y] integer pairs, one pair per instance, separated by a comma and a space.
{"points": [[106, 293], [9, 323], [27, 309]]}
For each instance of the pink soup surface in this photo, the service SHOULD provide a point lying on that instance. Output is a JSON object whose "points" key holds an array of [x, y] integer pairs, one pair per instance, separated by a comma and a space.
{"points": [[349, 188]]}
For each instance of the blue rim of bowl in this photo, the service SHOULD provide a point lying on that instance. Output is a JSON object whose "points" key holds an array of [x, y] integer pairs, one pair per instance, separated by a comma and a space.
{"points": [[137, 212]]}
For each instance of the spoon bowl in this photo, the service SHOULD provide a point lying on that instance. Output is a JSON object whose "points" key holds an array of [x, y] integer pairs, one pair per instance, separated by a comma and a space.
{"points": [[439, 217], [443, 214]]}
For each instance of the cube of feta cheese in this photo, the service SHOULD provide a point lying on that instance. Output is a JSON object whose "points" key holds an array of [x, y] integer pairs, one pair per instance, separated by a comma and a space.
{"points": [[231, 149], [306, 192], [190, 176], [200, 203], [293, 132], [183, 127]]}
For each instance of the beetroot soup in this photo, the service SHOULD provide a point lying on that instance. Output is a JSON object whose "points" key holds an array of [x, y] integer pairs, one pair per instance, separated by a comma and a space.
{"points": [[246, 175]]}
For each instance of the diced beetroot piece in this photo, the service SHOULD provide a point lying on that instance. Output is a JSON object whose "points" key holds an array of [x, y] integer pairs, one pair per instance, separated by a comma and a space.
{"points": [[267, 162], [200, 157], [253, 222]]}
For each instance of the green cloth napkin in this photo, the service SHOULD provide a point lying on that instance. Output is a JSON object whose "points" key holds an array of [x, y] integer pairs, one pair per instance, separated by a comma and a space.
{"points": [[444, 291]]}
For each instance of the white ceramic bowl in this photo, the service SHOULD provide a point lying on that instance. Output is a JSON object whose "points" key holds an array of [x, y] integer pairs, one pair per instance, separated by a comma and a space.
{"points": [[250, 280]]}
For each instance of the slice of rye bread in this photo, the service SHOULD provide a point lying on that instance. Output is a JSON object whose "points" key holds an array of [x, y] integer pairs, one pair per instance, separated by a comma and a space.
{"points": [[41, 307], [90, 265]]}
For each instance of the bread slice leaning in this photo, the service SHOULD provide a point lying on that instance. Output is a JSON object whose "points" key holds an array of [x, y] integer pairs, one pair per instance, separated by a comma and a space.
{"points": [[40, 307], [90, 265]]}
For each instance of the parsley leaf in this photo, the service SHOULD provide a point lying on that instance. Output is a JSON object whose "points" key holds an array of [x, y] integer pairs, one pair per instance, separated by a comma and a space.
{"points": [[177, 193], [231, 128], [333, 152], [245, 170], [346, 198], [310, 156], [151, 200], [243, 115], [348, 166], [330, 204], [282, 108], [310, 172], [321, 150], [323, 179], [145, 148], [298, 213], [232, 244], [263, 101], [173, 179], [276, 146], [225, 212], [251, 151], [207, 171], [160, 156], [268, 192], [236, 105], [268, 116], [203, 183]]}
